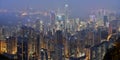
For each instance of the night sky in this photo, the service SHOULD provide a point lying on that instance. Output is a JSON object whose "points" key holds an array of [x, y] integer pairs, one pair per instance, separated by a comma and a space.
{"points": [[77, 7]]}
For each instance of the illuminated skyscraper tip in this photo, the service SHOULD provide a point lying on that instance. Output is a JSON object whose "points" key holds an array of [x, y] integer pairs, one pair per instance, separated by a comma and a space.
{"points": [[66, 5]]}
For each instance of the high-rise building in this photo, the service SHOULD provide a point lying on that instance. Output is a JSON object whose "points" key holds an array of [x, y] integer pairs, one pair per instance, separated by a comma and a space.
{"points": [[114, 25], [11, 45], [60, 20], [22, 49], [22, 44], [59, 45], [92, 18], [105, 19], [52, 18], [39, 25], [3, 47]]}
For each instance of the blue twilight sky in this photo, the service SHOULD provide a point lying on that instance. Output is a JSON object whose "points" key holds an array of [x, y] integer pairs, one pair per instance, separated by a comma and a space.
{"points": [[77, 7]]}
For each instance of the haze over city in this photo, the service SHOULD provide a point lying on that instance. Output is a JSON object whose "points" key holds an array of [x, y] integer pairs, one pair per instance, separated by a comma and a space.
{"points": [[59, 29], [77, 7]]}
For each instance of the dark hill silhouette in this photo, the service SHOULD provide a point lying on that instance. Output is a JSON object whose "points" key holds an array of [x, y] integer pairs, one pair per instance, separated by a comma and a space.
{"points": [[114, 52]]}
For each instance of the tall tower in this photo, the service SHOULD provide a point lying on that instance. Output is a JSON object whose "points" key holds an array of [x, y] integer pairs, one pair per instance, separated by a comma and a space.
{"points": [[59, 45], [52, 18], [22, 44], [105, 19], [66, 24], [66, 15]]}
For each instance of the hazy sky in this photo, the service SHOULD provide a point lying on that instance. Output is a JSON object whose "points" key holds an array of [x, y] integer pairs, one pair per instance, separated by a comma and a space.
{"points": [[76, 6]]}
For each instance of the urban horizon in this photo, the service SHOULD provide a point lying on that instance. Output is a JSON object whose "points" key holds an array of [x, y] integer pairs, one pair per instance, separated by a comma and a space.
{"points": [[60, 30]]}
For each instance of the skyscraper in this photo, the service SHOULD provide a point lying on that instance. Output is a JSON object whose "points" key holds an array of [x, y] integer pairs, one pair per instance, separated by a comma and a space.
{"points": [[59, 45], [11, 45], [105, 19], [52, 18], [22, 46], [22, 49]]}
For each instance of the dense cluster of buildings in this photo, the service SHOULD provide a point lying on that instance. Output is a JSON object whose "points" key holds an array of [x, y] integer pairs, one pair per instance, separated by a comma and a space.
{"points": [[62, 38]]}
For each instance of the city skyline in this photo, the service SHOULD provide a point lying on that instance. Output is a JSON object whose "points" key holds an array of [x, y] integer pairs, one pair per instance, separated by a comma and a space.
{"points": [[59, 30]]}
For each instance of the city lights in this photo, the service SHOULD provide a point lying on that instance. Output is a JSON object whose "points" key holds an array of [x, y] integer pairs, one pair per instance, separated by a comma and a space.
{"points": [[59, 30]]}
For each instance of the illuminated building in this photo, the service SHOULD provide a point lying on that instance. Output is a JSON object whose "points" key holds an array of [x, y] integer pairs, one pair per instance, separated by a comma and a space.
{"points": [[22, 49], [42, 42], [52, 18], [39, 25], [92, 18], [114, 25], [59, 45], [73, 46], [112, 16], [60, 21], [11, 45], [22, 44], [37, 46], [3, 46], [105, 19], [66, 11], [26, 44], [44, 54]]}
